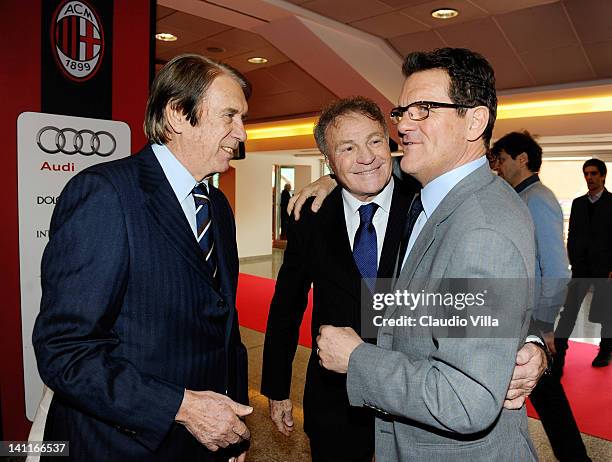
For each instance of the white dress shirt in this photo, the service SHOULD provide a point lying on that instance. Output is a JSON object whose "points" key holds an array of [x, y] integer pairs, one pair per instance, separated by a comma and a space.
{"points": [[435, 191], [181, 181], [380, 219]]}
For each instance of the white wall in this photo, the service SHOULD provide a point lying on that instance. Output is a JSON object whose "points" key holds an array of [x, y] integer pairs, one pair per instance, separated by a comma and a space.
{"points": [[254, 198]]}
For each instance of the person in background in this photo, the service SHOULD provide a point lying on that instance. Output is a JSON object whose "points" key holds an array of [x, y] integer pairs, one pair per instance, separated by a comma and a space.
{"points": [[589, 245], [518, 161], [284, 202]]}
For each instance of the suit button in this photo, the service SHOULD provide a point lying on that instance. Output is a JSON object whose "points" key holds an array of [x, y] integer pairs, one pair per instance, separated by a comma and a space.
{"points": [[220, 304]]}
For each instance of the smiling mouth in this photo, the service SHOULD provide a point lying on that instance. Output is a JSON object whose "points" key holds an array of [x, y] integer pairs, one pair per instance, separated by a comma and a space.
{"points": [[368, 172], [231, 151]]}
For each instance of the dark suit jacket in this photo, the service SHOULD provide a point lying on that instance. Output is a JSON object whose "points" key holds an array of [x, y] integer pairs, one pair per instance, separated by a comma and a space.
{"points": [[589, 246], [130, 315], [318, 252]]}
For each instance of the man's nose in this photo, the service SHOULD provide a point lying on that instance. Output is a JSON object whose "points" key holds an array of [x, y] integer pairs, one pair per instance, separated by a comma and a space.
{"points": [[405, 125], [239, 132], [365, 156]]}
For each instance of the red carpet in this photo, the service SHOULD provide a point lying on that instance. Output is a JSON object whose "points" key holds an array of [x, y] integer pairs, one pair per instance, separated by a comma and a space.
{"points": [[588, 389], [253, 302]]}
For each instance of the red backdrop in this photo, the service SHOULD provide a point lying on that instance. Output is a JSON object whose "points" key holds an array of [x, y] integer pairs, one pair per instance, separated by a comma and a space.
{"points": [[20, 91]]}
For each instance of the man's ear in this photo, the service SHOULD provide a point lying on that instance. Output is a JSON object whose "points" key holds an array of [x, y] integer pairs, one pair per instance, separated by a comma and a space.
{"points": [[175, 117], [478, 120], [523, 158]]}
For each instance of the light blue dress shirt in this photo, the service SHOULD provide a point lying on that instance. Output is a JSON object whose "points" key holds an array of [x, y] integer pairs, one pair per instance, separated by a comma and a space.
{"points": [[181, 181], [435, 191]]}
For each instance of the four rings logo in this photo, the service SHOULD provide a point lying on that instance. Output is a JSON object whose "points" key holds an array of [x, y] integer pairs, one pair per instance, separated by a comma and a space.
{"points": [[70, 141], [77, 40]]}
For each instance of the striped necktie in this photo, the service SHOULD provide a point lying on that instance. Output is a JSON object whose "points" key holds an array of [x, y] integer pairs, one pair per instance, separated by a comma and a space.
{"points": [[204, 226]]}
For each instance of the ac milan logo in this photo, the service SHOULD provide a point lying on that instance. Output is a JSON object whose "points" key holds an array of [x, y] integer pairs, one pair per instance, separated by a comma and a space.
{"points": [[78, 39]]}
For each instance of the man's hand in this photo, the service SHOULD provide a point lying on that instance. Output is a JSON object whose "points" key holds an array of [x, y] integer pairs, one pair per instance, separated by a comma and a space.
{"points": [[213, 419], [335, 345], [281, 413], [320, 189], [530, 365]]}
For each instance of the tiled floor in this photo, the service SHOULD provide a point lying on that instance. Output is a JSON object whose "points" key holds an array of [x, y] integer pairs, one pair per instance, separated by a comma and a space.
{"points": [[268, 445]]}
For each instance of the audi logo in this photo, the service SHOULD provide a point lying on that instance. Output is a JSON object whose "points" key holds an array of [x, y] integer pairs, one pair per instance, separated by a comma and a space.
{"points": [[71, 141]]}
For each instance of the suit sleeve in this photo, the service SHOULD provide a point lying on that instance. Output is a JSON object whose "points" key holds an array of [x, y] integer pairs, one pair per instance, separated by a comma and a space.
{"points": [[576, 260], [84, 277], [548, 222], [460, 387], [286, 313]]}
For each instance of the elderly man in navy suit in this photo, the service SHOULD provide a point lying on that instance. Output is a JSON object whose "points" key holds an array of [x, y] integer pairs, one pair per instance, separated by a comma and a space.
{"points": [[138, 332]]}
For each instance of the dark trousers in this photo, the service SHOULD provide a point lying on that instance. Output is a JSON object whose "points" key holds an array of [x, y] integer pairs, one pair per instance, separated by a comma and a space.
{"points": [[321, 454], [551, 403], [576, 292]]}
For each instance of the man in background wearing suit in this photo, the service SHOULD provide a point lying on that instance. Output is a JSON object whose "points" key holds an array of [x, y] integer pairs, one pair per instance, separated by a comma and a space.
{"points": [[589, 245], [356, 234], [441, 397], [138, 332], [519, 158]]}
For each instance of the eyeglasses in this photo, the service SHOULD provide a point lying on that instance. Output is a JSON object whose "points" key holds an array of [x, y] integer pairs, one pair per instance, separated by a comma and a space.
{"points": [[419, 110]]}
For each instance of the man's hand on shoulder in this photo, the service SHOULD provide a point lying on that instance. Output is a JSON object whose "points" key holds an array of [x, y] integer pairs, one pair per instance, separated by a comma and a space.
{"points": [[281, 413], [213, 419], [531, 363], [320, 189]]}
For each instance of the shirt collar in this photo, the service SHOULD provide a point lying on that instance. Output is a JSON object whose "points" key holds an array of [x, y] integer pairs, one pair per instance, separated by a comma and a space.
{"points": [[181, 181], [594, 198], [436, 190], [527, 182], [382, 199]]}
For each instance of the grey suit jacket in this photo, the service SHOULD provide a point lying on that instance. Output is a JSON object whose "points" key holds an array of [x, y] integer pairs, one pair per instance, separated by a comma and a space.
{"points": [[441, 398]]}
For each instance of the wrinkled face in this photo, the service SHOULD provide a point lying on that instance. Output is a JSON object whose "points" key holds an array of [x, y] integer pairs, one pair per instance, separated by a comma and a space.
{"points": [[212, 142], [437, 144], [593, 179], [359, 155], [510, 169]]}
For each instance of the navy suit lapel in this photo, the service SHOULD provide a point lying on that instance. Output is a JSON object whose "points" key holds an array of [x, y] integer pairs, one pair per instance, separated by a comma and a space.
{"points": [[222, 230], [162, 205]]}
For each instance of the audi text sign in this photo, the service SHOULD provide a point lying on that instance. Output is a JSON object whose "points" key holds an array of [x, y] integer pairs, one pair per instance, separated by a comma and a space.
{"points": [[51, 149]]}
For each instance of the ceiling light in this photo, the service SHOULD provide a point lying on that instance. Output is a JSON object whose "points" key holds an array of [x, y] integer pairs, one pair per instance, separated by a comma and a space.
{"points": [[257, 60], [166, 37], [555, 107], [281, 130], [445, 13]]}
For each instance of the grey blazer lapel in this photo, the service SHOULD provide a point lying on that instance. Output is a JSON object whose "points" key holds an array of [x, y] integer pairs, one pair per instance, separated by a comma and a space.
{"points": [[456, 196]]}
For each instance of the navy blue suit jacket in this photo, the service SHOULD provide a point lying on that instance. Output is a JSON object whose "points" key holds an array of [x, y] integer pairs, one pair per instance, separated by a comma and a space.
{"points": [[130, 315]]}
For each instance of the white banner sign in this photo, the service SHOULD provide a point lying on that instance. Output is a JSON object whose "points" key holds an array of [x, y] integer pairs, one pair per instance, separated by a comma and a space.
{"points": [[51, 149]]}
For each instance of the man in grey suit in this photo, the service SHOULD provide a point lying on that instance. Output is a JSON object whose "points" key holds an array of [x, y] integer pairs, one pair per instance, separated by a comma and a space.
{"points": [[440, 397]]}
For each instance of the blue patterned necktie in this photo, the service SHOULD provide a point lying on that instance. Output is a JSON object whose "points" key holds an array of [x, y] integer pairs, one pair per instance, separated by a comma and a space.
{"points": [[204, 226], [415, 210], [365, 249]]}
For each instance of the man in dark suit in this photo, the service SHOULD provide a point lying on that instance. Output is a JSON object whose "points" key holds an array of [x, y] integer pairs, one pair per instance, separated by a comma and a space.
{"points": [[322, 250], [138, 333], [589, 246]]}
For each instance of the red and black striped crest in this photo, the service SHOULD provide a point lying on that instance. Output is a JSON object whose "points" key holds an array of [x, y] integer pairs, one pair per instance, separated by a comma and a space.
{"points": [[78, 39]]}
